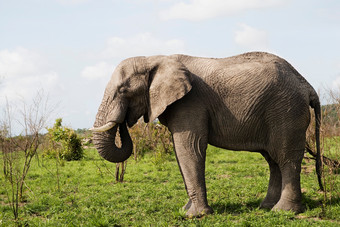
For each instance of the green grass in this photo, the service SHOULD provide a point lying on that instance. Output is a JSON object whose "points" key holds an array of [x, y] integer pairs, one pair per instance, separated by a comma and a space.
{"points": [[153, 194], [331, 147]]}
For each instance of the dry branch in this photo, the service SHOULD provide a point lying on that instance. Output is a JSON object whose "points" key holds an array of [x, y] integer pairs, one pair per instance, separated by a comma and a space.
{"points": [[327, 161]]}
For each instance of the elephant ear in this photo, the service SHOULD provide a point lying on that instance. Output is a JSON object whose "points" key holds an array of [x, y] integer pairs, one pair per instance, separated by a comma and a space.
{"points": [[169, 81]]}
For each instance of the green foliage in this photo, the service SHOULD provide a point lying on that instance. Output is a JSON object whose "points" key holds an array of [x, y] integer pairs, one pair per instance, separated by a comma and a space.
{"points": [[236, 182], [330, 114], [64, 142], [152, 137], [331, 119]]}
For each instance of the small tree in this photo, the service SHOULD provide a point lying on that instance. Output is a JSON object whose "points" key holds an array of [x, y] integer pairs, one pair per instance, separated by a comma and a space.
{"points": [[64, 142], [18, 151]]}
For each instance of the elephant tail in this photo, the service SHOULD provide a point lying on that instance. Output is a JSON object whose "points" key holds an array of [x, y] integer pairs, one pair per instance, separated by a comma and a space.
{"points": [[315, 104]]}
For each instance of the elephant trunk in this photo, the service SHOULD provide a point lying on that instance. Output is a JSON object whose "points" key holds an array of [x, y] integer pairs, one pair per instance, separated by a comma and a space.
{"points": [[105, 143]]}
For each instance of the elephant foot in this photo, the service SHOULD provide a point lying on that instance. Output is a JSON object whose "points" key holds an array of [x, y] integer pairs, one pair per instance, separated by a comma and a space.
{"points": [[196, 212], [267, 204], [296, 207]]}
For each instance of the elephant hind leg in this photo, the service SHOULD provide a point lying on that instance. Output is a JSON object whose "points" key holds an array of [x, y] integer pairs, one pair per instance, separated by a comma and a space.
{"points": [[275, 182], [291, 196]]}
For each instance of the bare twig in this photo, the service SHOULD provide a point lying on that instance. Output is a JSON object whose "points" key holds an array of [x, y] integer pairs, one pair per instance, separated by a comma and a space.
{"points": [[18, 151], [329, 162]]}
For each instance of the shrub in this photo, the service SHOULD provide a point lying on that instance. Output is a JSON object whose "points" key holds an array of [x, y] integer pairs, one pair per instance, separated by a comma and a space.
{"points": [[64, 142], [150, 137]]}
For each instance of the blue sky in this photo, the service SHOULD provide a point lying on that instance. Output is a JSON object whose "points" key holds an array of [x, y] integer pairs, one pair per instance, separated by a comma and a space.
{"points": [[70, 47]]}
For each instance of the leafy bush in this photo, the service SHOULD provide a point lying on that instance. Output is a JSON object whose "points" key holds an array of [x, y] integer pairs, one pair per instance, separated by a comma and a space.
{"points": [[64, 142], [150, 137]]}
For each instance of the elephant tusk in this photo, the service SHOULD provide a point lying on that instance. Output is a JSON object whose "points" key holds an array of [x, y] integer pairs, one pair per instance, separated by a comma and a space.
{"points": [[104, 128]]}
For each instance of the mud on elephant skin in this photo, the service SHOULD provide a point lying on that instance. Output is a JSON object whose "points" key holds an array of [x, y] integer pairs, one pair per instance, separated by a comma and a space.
{"points": [[255, 101]]}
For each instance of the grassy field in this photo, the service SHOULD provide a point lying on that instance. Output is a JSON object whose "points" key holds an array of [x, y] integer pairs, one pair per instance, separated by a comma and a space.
{"points": [[153, 194]]}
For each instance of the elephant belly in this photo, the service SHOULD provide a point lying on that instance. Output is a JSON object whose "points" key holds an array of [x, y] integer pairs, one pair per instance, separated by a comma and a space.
{"points": [[239, 138]]}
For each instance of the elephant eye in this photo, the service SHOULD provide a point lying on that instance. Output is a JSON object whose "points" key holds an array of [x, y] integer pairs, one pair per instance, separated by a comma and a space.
{"points": [[122, 90], [122, 87]]}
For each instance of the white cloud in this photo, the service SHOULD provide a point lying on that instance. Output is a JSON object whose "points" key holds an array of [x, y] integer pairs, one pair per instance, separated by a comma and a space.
{"points": [[251, 38], [119, 48], [142, 44], [101, 70], [18, 62], [196, 10], [23, 73]]}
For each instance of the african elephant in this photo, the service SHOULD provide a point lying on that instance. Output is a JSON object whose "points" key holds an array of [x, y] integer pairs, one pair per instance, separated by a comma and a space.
{"points": [[251, 102]]}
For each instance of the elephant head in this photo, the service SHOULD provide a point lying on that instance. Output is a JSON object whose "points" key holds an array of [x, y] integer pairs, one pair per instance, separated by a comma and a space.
{"points": [[140, 86]]}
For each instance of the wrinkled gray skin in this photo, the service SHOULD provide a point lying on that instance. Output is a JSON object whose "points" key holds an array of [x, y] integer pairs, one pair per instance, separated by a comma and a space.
{"points": [[255, 102]]}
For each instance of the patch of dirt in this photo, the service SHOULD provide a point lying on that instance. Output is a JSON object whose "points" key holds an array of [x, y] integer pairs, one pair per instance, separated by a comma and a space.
{"points": [[309, 218], [307, 169], [303, 190], [224, 176], [301, 216]]}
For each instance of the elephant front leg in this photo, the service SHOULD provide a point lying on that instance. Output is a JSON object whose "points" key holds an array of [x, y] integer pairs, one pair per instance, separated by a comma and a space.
{"points": [[190, 153], [187, 206]]}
